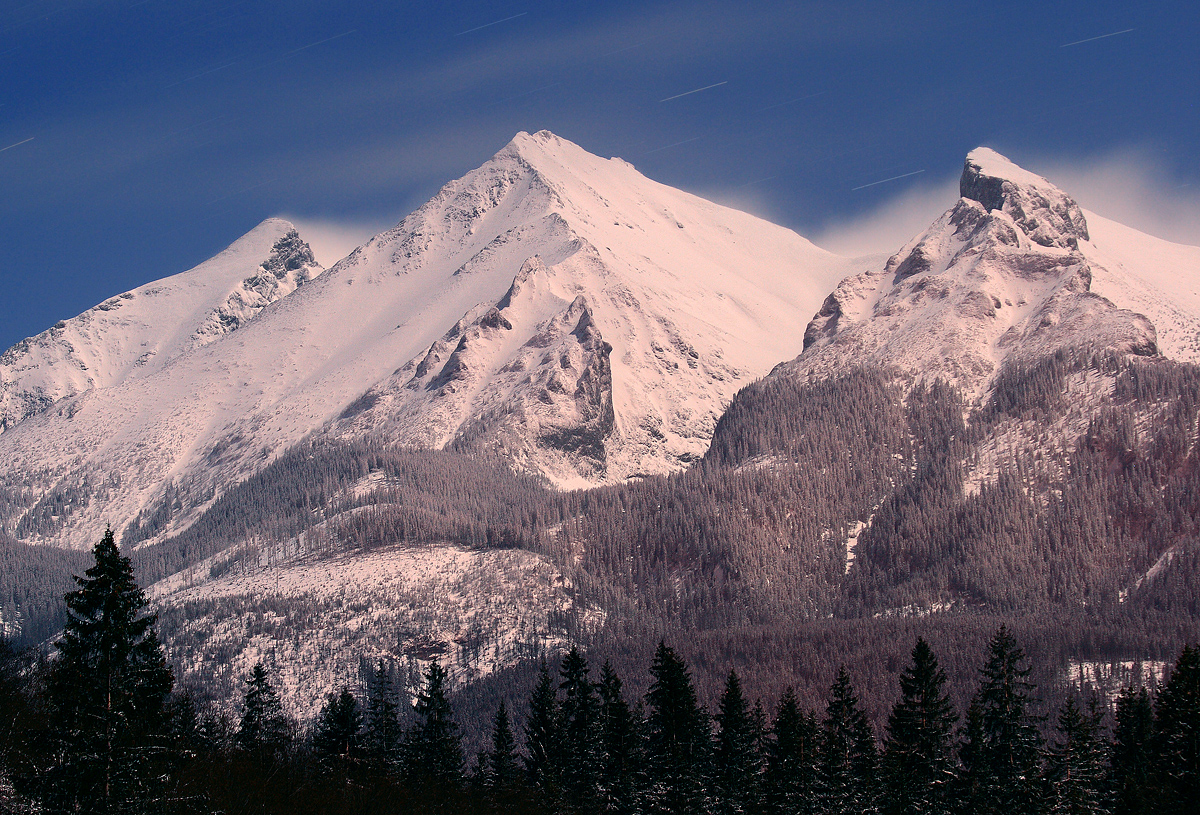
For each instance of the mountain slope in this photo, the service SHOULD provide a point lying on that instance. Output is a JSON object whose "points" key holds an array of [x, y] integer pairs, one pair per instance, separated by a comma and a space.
{"points": [[136, 333], [634, 312]]}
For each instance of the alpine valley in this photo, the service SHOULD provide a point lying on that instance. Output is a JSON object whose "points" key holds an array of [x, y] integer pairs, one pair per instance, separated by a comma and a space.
{"points": [[562, 403]]}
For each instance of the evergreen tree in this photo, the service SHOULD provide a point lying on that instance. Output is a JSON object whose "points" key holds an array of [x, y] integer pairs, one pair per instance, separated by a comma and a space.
{"points": [[1002, 744], [542, 738], [1177, 737], [501, 772], [737, 764], [337, 733], [621, 753], [18, 716], [382, 735], [264, 727], [580, 747], [1075, 763], [1130, 762], [791, 782], [433, 755], [106, 696], [677, 739], [848, 758], [918, 760]]}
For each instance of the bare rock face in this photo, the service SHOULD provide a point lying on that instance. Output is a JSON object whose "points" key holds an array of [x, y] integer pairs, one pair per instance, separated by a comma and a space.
{"points": [[290, 265], [1047, 215]]}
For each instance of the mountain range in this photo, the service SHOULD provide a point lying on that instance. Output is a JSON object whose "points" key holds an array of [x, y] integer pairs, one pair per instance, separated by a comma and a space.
{"points": [[560, 401]]}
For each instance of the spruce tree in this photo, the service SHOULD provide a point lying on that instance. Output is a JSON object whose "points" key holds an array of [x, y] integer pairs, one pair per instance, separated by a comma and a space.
{"points": [[1177, 737], [542, 738], [918, 759], [18, 718], [791, 781], [677, 739], [847, 764], [737, 764], [502, 783], [106, 696], [433, 758], [580, 717], [620, 747], [337, 733], [264, 728], [382, 735], [1130, 761], [1002, 745], [1075, 763]]}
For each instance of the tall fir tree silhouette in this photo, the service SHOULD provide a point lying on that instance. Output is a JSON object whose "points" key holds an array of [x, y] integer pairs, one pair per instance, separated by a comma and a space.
{"points": [[264, 728], [106, 695], [1075, 762], [848, 758], [1001, 749], [1177, 737], [677, 739], [433, 754], [918, 755], [737, 764], [791, 782], [1131, 760]]}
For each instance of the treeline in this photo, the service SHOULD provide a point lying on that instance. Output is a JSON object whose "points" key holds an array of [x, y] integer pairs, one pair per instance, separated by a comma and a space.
{"points": [[99, 729]]}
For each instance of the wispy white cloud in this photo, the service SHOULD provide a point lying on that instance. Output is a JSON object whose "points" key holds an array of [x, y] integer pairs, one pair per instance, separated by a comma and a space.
{"points": [[1134, 187], [1130, 186], [888, 226]]}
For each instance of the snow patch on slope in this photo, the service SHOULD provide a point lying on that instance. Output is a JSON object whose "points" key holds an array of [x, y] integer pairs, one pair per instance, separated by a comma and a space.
{"points": [[314, 619]]}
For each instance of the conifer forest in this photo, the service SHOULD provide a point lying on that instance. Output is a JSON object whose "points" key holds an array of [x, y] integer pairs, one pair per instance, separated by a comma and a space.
{"points": [[102, 728]]}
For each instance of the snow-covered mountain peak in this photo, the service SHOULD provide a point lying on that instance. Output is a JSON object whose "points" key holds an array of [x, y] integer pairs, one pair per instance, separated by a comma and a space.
{"points": [[1000, 276], [557, 307], [136, 333], [1046, 214]]}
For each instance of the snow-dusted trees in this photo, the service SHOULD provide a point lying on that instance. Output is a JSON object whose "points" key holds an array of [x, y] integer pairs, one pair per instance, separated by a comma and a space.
{"points": [[264, 727]]}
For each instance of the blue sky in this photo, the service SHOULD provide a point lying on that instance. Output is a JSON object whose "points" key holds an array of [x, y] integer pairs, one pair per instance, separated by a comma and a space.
{"points": [[139, 137]]}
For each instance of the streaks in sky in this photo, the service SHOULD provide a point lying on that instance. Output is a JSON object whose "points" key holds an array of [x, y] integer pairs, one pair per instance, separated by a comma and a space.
{"points": [[18, 144], [669, 146], [886, 180], [1101, 37], [689, 93], [489, 25]]}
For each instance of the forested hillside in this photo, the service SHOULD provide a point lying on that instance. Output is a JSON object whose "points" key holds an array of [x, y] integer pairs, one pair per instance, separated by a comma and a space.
{"points": [[831, 520]]}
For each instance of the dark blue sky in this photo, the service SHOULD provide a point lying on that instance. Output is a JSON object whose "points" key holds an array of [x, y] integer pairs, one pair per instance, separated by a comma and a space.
{"points": [[139, 138]]}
